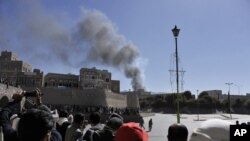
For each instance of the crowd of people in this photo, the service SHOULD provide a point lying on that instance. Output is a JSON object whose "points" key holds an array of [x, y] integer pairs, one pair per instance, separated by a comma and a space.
{"points": [[39, 124], [100, 109]]}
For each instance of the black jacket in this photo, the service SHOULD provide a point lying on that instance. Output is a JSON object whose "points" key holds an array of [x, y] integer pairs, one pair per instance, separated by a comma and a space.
{"points": [[106, 134]]}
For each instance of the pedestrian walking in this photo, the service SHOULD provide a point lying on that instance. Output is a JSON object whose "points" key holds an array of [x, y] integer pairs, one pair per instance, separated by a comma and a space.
{"points": [[141, 122], [150, 124]]}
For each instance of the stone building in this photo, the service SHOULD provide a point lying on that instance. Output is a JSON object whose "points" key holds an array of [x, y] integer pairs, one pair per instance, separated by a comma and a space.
{"points": [[61, 80], [97, 79], [27, 80], [93, 84], [18, 73]]}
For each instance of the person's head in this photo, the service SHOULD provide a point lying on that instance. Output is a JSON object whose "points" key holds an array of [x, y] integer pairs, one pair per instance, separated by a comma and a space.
{"points": [[131, 132], [94, 118], [63, 113], [177, 132], [35, 125], [79, 119], [114, 123]]}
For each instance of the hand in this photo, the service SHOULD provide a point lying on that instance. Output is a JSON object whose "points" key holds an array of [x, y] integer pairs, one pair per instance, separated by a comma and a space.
{"points": [[38, 96], [17, 97]]}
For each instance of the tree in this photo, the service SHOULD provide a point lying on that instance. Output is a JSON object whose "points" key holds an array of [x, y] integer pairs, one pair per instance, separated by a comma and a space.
{"points": [[238, 103], [202, 94], [159, 103], [247, 104], [187, 95]]}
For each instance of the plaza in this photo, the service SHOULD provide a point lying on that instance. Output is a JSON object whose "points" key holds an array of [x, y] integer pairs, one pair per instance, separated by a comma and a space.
{"points": [[161, 122]]}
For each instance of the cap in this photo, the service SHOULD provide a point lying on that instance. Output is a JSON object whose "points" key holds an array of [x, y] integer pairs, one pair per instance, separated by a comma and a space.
{"points": [[131, 132]]}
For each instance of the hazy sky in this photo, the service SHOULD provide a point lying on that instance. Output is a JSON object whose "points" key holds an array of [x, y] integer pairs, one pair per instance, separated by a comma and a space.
{"points": [[213, 44]]}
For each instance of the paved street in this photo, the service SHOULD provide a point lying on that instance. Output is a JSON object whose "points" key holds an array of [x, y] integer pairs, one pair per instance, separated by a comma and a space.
{"points": [[161, 123]]}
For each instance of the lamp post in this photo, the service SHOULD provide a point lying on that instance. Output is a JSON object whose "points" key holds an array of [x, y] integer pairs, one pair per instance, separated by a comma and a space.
{"points": [[198, 118], [176, 31], [228, 96]]}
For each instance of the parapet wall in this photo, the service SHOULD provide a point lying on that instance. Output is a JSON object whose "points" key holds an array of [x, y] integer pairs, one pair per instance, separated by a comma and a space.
{"points": [[91, 97]]}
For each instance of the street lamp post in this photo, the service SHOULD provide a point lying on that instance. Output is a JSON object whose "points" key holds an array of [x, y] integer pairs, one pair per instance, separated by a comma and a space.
{"points": [[198, 118], [228, 96], [176, 31]]}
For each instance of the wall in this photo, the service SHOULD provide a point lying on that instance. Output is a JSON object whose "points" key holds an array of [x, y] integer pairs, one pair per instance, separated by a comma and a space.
{"points": [[89, 97]]}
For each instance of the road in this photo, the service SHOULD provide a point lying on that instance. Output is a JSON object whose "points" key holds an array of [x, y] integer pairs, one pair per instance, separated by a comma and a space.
{"points": [[161, 122]]}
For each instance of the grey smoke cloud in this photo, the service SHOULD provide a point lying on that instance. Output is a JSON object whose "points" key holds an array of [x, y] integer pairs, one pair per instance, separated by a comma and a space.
{"points": [[109, 47], [94, 38]]}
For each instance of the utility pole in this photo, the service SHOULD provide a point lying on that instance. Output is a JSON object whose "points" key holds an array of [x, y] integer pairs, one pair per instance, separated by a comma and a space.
{"points": [[182, 75], [228, 96], [198, 117]]}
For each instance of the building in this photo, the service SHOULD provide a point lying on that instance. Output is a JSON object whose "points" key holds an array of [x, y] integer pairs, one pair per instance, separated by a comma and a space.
{"points": [[61, 89], [18, 73], [61, 80], [115, 86], [30, 80], [98, 79]]}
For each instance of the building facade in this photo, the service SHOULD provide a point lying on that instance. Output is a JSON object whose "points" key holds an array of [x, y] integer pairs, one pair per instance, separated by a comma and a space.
{"points": [[18, 73], [98, 79], [61, 80]]}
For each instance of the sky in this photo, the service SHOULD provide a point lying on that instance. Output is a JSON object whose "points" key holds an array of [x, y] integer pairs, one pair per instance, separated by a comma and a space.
{"points": [[134, 41]]}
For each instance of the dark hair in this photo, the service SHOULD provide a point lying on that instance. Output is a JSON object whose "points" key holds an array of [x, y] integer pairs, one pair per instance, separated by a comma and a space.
{"points": [[63, 113], [115, 115], [34, 125], [94, 118], [177, 132], [114, 123], [78, 118]]}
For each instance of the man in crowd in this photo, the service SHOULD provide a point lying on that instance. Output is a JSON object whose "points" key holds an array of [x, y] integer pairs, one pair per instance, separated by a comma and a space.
{"points": [[94, 120], [109, 130], [177, 132], [131, 132], [62, 123], [75, 131]]}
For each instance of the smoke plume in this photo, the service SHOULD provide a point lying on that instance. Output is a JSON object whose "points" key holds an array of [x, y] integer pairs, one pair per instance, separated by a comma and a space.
{"points": [[108, 47], [94, 38]]}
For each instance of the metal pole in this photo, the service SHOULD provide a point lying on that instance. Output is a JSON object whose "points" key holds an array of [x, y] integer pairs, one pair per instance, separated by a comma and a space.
{"points": [[177, 81], [229, 102], [198, 118]]}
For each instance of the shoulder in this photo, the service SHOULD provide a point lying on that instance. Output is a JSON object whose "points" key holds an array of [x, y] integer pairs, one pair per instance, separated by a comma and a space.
{"points": [[55, 135]]}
